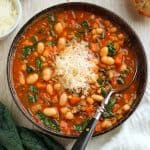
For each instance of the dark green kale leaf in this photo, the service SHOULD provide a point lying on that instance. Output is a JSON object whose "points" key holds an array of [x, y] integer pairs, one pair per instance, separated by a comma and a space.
{"points": [[39, 63], [111, 49], [34, 39], [33, 93], [26, 51], [51, 19], [30, 69], [81, 127], [85, 25], [51, 123], [109, 108]]}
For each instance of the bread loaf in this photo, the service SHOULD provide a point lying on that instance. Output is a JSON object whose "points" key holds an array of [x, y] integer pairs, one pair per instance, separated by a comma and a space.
{"points": [[142, 6]]}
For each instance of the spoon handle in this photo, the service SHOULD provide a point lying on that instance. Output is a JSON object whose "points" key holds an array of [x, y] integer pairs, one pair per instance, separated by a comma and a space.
{"points": [[87, 133], [84, 137]]}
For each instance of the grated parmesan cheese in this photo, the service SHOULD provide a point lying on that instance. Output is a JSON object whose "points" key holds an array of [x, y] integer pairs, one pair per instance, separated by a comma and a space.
{"points": [[8, 15], [75, 68]]}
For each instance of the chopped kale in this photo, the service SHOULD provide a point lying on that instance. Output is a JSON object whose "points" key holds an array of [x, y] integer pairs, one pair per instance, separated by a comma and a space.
{"points": [[30, 69], [100, 82], [51, 43], [39, 63], [51, 19], [34, 39], [52, 33], [79, 34], [26, 51], [102, 35], [103, 92], [51, 123], [109, 108], [33, 94], [120, 80], [32, 98], [33, 88], [85, 25], [80, 127], [111, 50]]}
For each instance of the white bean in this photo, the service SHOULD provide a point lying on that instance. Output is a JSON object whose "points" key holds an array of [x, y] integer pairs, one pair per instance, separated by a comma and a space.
{"points": [[64, 110], [21, 78], [69, 115], [61, 43], [58, 28], [49, 89], [104, 51], [23, 67], [32, 78], [46, 74], [106, 124], [40, 47], [123, 67], [90, 100], [107, 60], [126, 107], [98, 98], [99, 30], [113, 29], [57, 86], [50, 111], [110, 74], [63, 99], [94, 31]]}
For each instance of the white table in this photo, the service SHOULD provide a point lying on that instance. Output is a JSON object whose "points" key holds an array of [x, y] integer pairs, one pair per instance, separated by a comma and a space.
{"points": [[121, 7]]}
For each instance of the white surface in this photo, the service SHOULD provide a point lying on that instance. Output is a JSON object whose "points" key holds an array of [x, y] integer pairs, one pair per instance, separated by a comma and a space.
{"points": [[134, 134]]}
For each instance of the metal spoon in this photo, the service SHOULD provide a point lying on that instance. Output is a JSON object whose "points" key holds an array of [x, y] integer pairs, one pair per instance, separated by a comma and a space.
{"points": [[87, 133]]}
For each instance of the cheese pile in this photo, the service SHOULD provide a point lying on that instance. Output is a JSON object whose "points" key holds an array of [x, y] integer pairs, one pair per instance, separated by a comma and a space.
{"points": [[8, 15], [75, 68]]}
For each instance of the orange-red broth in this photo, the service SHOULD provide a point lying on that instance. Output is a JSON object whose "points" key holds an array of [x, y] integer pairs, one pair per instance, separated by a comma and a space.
{"points": [[77, 110]]}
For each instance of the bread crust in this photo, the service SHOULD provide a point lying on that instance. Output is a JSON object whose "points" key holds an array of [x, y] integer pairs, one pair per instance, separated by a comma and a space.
{"points": [[142, 6]]}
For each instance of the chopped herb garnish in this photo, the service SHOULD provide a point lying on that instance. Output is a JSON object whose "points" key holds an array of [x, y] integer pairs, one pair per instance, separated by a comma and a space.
{"points": [[102, 35], [51, 19], [51, 43], [39, 63], [32, 98], [51, 123], [52, 33], [79, 34], [109, 108], [120, 80], [124, 73], [103, 92], [85, 25], [34, 39], [26, 51], [33, 93], [81, 127], [33, 88], [30, 69], [40, 30], [111, 50], [100, 82]]}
